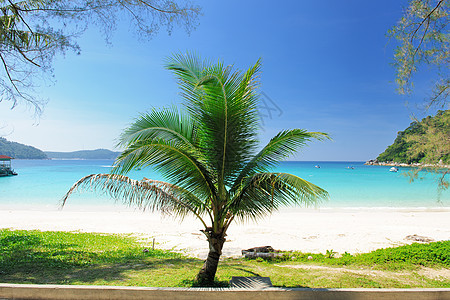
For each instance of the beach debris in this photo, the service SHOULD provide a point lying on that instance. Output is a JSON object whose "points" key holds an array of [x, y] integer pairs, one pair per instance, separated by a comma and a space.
{"points": [[263, 252], [145, 250], [418, 238], [310, 257], [312, 237]]}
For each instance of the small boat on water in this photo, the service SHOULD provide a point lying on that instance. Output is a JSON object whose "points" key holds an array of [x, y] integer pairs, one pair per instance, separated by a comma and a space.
{"points": [[393, 169], [317, 166], [5, 166]]}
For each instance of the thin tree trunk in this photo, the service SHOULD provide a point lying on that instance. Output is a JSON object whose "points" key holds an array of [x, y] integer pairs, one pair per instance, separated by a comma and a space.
{"points": [[208, 271]]}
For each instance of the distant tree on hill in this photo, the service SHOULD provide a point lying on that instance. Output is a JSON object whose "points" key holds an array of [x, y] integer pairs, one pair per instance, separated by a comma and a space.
{"points": [[32, 32], [431, 142]]}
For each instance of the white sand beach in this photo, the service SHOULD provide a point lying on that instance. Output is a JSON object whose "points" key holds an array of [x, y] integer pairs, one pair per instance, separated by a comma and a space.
{"points": [[306, 230]]}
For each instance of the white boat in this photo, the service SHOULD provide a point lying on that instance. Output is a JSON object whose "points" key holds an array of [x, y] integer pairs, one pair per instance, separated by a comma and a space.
{"points": [[393, 169]]}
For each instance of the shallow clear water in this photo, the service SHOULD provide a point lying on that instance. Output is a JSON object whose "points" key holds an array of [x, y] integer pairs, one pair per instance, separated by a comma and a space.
{"points": [[42, 183], [369, 186]]}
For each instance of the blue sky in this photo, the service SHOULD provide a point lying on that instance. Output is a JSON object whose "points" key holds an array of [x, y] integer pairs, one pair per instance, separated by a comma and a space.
{"points": [[325, 68]]}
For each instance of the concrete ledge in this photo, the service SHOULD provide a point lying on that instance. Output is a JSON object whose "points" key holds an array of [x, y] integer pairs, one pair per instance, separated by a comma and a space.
{"points": [[72, 292]]}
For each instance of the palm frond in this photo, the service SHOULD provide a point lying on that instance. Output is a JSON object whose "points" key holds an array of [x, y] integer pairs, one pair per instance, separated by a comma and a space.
{"points": [[167, 124], [264, 193], [181, 165], [223, 105], [145, 194], [281, 146], [189, 70], [229, 119]]}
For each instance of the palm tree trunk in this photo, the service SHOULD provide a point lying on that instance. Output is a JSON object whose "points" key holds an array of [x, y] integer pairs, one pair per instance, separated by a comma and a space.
{"points": [[208, 271]]}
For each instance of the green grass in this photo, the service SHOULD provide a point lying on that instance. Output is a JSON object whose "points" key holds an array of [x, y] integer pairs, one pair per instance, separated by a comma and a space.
{"points": [[436, 254], [100, 259]]}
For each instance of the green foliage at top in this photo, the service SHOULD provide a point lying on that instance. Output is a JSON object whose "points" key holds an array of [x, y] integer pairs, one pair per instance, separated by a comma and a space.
{"points": [[20, 151], [427, 141], [34, 31]]}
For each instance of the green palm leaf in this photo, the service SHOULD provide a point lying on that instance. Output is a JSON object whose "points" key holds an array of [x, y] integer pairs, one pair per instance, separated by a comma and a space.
{"points": [[145, 194], [189, 70], [179, 163], [167, 124], [223, 105], [281, 146], [264, 193]]}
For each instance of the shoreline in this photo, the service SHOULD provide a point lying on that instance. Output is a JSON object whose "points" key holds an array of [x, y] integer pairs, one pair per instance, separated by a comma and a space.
{"points": [[119, 207], [305, 230], [413, 165]]}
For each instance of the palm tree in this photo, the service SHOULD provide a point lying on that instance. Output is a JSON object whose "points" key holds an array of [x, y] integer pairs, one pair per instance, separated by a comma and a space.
{"points": [[208, 154]]}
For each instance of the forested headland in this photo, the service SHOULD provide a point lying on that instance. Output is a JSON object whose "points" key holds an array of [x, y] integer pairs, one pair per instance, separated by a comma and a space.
{"points": [[20, 151], [423, 142]]}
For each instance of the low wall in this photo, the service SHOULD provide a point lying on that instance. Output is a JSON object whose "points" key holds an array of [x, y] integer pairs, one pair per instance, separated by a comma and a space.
{"points": [[66, 292]]}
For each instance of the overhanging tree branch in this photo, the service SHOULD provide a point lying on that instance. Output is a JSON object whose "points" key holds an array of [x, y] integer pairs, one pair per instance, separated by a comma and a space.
{"points": [[423, 40], [33, 32]]}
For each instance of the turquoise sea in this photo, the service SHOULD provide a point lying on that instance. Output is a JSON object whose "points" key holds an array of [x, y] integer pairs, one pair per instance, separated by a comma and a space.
{"points": [[42, 183]]}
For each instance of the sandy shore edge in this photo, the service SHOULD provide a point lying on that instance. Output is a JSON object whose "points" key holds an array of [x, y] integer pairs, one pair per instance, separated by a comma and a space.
{"points": [[307, 230]]}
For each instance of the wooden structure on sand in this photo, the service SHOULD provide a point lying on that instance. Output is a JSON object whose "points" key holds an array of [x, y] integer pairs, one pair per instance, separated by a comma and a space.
{"points": [[5, 166]]}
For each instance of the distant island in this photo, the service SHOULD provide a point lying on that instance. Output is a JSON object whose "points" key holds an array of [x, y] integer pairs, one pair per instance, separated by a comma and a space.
{"points": [[83, 154], [20, 151], [424, 143]]}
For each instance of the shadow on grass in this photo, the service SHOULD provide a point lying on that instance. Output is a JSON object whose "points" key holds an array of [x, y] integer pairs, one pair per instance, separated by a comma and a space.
{"points": [[27, 258], [59, 258], [215, 284], [246, 271], [249, 269]]}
